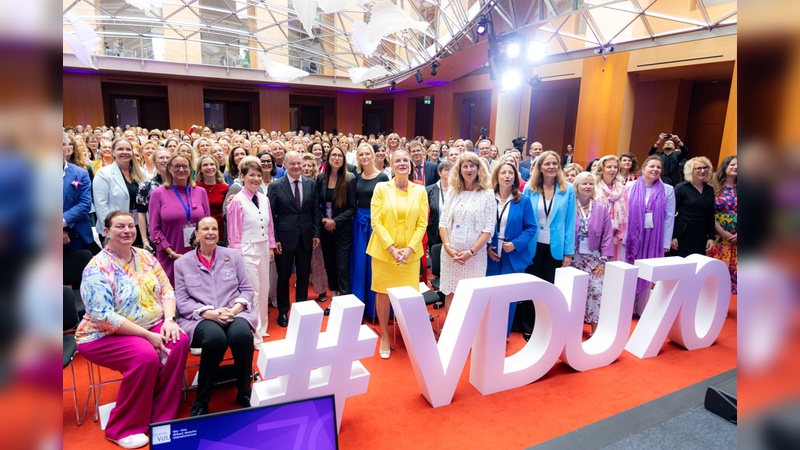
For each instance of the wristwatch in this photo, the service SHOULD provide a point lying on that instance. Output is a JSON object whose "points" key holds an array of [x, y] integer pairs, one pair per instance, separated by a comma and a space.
{"points": [[173, 319]]}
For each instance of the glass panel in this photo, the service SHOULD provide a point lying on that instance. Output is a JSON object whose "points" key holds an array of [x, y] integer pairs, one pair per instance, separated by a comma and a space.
{"points": [[126, 112], [215, 115]]}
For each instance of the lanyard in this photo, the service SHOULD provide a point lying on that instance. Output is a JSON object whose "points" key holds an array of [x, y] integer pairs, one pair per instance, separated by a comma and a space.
{"points": [[502, 212], [589, 213], [186, 208], [546, 208]]}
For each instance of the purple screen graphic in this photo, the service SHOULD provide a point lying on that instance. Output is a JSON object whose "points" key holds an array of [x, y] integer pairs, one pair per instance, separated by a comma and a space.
{"points": [[305, 424]]}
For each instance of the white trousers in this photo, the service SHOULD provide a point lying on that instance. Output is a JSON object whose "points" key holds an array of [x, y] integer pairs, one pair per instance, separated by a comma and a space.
{"points": [[256, 264]]}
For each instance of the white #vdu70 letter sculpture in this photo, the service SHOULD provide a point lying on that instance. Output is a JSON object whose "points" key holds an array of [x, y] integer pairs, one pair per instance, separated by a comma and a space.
{"points": [[309, 364], [694, 289]]}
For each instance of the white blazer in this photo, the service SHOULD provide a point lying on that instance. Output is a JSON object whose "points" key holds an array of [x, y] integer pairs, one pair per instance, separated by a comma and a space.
{"points": [[110, 193]]}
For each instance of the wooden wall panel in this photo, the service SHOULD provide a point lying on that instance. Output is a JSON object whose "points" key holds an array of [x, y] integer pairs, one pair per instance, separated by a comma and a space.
{"points": [[729, 145], [656, 109], [185, 103], [603, 93], [82, 99], [349, 112], [274, 108], [707, 119]]}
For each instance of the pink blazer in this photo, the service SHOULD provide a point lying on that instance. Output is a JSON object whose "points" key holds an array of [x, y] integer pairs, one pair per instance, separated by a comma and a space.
{"points": [[601, 233]]}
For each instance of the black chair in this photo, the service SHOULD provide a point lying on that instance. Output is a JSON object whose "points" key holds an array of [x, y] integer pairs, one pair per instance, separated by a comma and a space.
{"points": [[74, 263], [71, 321]]}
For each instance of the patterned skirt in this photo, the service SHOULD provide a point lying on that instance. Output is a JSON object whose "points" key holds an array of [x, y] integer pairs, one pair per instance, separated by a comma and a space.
{"points": [[586, 262]]}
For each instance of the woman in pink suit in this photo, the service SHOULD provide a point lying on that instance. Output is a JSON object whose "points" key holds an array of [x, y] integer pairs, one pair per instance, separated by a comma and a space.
{"points": [[251, 231], [174, 210]]}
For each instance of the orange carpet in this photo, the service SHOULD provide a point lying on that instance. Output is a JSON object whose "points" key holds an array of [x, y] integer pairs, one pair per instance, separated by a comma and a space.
{"points": [[394, 414]]}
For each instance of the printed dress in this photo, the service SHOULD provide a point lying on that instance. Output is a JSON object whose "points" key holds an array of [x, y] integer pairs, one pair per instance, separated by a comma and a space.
{"points": [[725, 214]]}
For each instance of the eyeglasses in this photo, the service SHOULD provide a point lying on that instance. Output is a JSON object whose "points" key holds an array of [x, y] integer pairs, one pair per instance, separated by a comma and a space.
{"points": [[702, 169], [266, 162], [335, 156], [180, 167]]}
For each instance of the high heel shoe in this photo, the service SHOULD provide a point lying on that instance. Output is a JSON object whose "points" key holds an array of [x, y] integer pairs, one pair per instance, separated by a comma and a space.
{"points": [[385, 354]]}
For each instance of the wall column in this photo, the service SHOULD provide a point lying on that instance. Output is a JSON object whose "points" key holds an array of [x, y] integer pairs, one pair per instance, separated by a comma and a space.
{"points": [[512, 115], [729, 137], [605, 107], [185, 103]]}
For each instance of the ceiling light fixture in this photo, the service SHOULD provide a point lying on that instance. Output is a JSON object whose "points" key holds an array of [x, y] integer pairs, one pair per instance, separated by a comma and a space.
{"points": [[392, 85], [418, 76], [483, 26], [536, 50], [434, 65]]}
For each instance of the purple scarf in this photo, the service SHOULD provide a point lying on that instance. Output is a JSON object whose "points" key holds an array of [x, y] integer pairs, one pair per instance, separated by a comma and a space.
{"points": [[645, 242]]}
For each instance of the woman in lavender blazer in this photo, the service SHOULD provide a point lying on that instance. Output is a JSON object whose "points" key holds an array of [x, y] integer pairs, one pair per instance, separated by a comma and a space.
{"points": [[594, 239], [215, 306]]}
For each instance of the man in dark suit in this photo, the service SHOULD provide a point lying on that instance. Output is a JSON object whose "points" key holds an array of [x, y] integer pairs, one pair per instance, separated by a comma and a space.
{"points": [[296, 218], [436, 193], [76, 204], [568, 157], [534, 151], [423, 170]]}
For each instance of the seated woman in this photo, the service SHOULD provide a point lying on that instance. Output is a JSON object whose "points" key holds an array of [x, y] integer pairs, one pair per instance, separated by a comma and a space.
{"points": [[215, 302], [130, 327]]}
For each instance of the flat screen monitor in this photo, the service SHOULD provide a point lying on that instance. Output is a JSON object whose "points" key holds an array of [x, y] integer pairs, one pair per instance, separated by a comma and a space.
{"points": [[302, 424]]}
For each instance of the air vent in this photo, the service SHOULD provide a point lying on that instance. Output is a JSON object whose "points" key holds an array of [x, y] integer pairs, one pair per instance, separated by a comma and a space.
{"points": [[231, 88], [702, 58], [133, 81]]}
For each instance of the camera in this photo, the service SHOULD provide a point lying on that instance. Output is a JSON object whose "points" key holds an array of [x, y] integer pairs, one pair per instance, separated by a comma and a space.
{"points": [[519, 143], [668, 136]]}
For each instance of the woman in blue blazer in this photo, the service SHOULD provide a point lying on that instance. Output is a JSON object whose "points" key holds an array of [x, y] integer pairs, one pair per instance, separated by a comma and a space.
{"points": [[553, 203], [515, 228]]}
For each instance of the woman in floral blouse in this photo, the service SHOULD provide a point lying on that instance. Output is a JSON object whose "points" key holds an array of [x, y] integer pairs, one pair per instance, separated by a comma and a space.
{"points": [[130, 326]]}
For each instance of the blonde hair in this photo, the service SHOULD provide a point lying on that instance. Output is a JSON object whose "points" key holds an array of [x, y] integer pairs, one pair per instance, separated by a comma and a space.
{"points": [[580, 178], [536, 183], [136, 169], [364, 145], [457, 181], [689, 168], [573, 166], [168, 181], [198, 177], [598, 171]]}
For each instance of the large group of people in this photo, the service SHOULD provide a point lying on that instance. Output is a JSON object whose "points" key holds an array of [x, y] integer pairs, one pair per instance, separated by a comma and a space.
{"points": [[199, 232]]}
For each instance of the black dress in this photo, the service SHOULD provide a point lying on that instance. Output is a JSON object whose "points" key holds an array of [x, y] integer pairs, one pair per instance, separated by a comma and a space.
{"points": [[694, 221]]}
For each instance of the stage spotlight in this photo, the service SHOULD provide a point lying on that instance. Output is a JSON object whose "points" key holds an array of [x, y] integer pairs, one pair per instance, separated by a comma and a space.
{"points": [[418, 76], [536, 50], [482, 27], [513, 49], [535, 81], [434, 65], [511, 79], [393, 85]]}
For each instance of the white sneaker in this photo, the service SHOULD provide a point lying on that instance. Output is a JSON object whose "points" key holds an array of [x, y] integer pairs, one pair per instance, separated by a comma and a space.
{"points": [[132, 441], [195, 351], [273, 302]]}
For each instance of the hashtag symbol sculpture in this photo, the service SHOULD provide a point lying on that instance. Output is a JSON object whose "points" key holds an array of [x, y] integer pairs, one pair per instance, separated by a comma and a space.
{"points": [[309, 363]]}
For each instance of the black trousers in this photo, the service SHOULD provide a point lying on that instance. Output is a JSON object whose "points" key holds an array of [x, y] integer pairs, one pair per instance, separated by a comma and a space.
{"points": [[336, 254], [215, 339], [544, 266], [300, 258]]}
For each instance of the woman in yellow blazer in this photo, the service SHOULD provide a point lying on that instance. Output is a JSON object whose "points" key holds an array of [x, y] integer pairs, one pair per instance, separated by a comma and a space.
{"points": [[399, 211]]}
